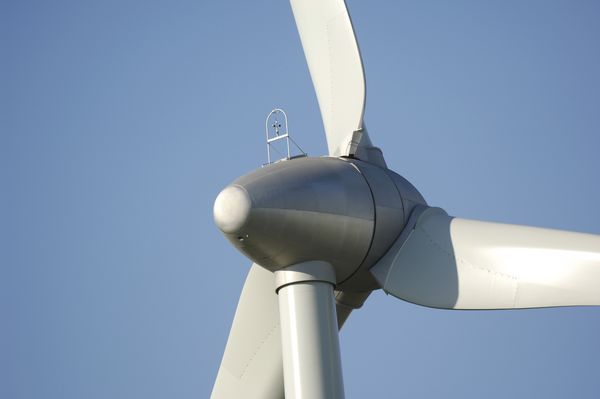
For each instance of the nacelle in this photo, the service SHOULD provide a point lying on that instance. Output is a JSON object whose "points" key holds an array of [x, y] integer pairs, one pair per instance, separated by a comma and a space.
{"points": [[339, 210]]}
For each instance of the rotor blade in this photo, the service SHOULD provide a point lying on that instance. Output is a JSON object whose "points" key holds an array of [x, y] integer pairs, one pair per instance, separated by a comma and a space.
{"points": [[457, 263], [252, 366], [336, 70]]}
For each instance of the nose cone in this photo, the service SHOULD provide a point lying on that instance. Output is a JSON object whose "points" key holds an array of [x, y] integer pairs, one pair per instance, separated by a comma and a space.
{"points": [[232, 208]]}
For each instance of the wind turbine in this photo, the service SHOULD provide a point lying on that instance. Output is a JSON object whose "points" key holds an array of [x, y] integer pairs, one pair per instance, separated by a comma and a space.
{"points": [[325, 232]]}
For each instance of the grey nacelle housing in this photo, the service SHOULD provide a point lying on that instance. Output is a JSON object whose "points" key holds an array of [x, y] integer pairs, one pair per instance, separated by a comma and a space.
{"points": [[339, 210]]}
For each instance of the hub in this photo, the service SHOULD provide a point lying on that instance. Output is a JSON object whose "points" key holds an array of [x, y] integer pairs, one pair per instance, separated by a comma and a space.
{"points": [[341, 211]]}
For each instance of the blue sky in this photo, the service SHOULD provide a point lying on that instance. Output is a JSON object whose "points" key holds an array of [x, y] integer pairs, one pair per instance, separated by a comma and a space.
{"points": [[120, 122]]}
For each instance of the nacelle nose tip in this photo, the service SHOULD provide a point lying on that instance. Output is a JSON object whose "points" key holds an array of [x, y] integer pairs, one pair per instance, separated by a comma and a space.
{"points": [[232, 208]]}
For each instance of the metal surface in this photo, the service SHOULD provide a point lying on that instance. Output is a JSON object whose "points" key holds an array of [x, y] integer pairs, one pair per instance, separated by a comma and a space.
{"points": [[304, 209], [346, 302], [310, 344], [465, 264], [411, 197], [389, 222], [344, 211], [272, 122]]}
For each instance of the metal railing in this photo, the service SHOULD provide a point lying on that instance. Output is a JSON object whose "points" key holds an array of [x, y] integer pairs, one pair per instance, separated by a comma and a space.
{"points": [[277, 130]]}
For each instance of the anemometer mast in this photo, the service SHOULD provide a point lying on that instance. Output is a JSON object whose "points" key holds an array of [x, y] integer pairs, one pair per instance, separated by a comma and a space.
{"points": [[276, 131]]}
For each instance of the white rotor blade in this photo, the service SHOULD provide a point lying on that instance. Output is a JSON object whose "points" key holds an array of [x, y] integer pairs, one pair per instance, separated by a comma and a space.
{"points": [[252, 366], [466, 264], [336, 69]]}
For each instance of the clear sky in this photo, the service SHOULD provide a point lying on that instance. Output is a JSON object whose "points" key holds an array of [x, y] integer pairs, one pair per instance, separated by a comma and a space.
{"points": [[120, 122]]}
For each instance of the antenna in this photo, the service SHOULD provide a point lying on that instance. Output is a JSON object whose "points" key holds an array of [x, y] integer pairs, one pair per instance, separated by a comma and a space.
{"points": [[276, 129]]}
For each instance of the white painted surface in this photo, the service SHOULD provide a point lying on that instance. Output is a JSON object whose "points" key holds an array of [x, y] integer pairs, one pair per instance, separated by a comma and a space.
{"points": [[310, 342], [467, 264], [251, 366], [335, 67]]}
